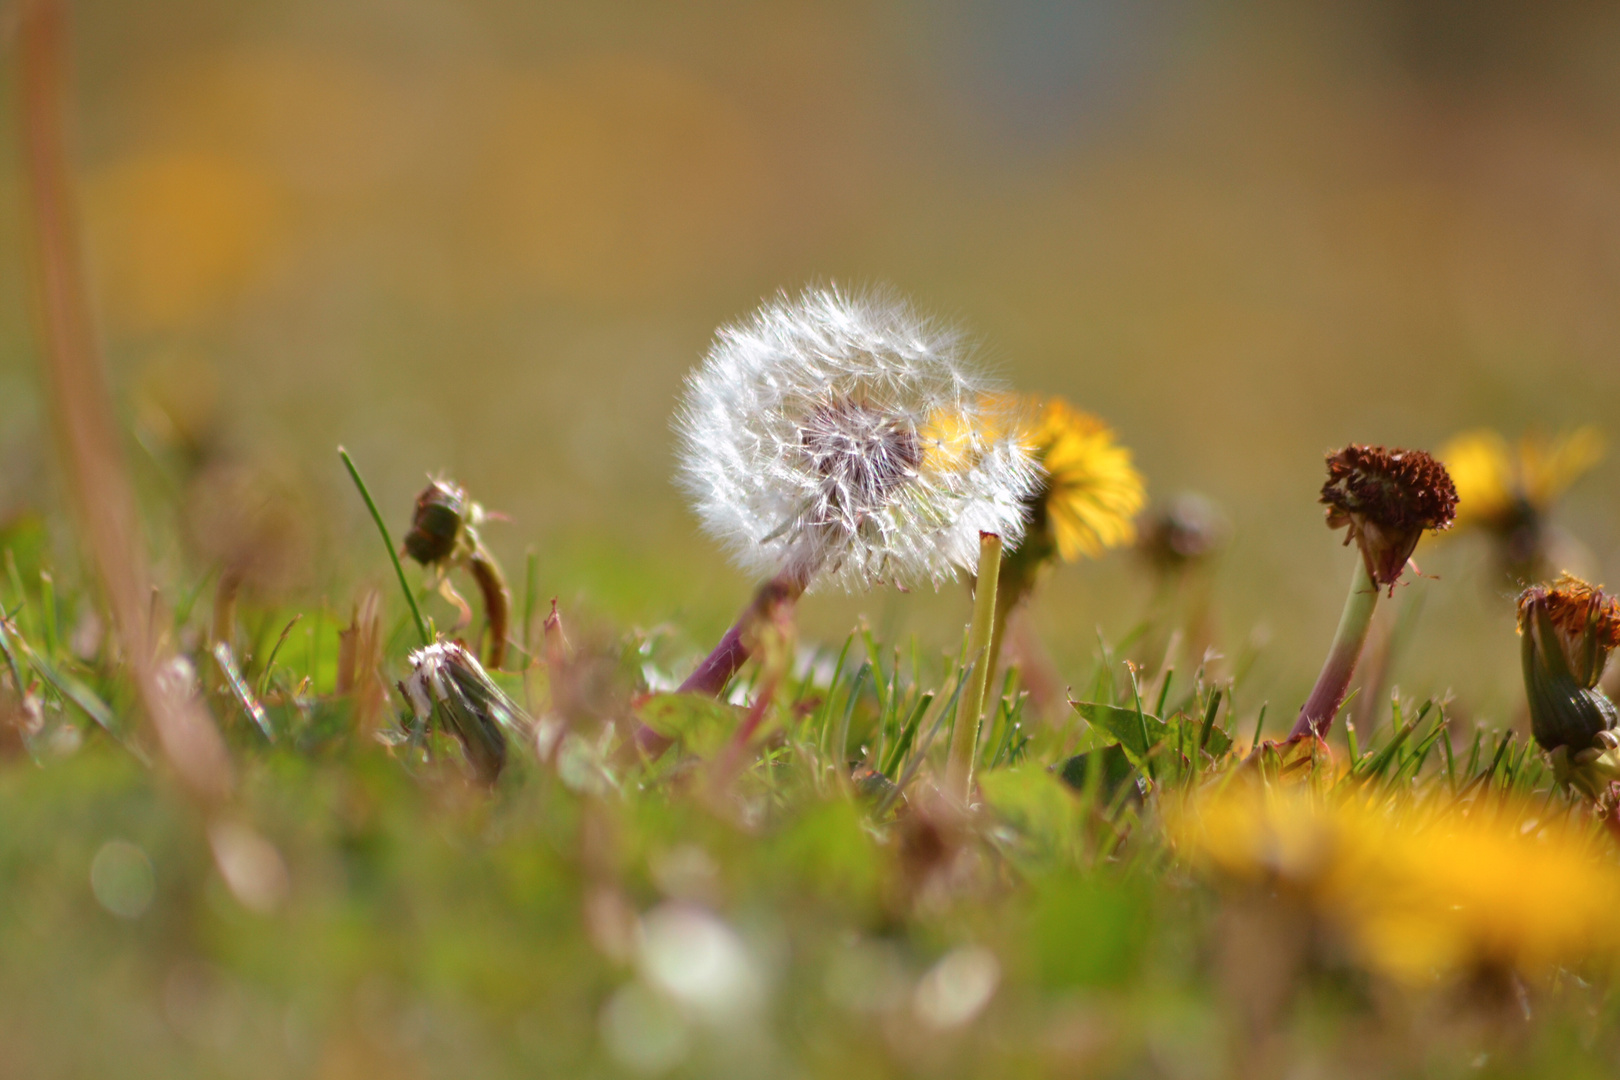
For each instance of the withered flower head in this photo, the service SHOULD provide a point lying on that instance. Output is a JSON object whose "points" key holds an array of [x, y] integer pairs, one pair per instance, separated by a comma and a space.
{"points": [[1387, 498], [436, 523], [1568, 628], [1184, 531]]}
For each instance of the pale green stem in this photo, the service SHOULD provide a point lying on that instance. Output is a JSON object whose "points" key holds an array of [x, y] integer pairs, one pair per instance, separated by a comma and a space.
{"points": [[1334, 681], [965, 736]]}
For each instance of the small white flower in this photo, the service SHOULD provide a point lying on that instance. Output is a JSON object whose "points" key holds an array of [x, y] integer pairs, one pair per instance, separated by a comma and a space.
{"points": [[844, 439]]}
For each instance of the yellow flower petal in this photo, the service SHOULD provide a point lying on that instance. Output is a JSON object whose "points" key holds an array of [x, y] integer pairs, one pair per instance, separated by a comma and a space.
{"points": [[1548, 468], [1481, 467], [1093, 490], [1418, 890]]}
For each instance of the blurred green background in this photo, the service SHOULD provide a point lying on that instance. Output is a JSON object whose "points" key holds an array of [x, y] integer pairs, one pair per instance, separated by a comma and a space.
{"points": [[490, 237]]}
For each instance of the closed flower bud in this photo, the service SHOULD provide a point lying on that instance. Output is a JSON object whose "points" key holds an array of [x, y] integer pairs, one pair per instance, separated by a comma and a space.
{"points": [[1568, 630], [1186, 530], [448, 684], [441, 510]]}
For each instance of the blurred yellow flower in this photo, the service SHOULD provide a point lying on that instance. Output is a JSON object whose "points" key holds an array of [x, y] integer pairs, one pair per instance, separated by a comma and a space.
{"points": [[1092, 492], [1419, 891], [177, 236], [1496, 481]]}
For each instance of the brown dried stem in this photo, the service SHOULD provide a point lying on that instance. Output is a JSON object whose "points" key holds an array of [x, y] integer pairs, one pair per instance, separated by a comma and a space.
{"points": [[82, 408]]}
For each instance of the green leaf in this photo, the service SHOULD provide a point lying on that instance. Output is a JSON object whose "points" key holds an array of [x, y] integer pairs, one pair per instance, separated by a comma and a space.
{"points": [[1035, 804], [1125, 726], [826, 851], [1113, 767], [1216, 744], [1087, 931]]}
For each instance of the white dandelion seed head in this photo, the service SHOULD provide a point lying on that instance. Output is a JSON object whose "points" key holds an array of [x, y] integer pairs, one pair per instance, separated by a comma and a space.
{"points": [[845, 439]]}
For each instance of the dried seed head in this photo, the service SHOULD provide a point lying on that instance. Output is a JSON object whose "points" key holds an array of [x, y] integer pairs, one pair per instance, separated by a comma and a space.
{"points": [[1185, 530], [436, 524], [1568, 628], [1387, 498], [838, 438]]}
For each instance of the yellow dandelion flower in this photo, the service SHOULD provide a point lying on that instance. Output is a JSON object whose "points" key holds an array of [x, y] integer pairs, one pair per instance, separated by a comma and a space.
{"points": [[1091, 492], [1497, 483], [1086, 500], [1548, 468], [1420, 891]]}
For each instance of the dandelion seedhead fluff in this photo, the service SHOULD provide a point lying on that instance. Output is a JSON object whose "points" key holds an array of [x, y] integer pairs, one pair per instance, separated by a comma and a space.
{"points": [[843, 439]]}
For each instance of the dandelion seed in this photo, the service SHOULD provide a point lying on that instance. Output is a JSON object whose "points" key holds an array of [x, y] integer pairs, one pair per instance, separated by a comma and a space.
{"points": [[835, 439], [844, 440]]}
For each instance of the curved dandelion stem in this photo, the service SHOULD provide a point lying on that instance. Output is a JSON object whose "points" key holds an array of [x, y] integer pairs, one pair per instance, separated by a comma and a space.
{"points": [[711, 676], [1317, 715], [965, 737], [497, 602]]}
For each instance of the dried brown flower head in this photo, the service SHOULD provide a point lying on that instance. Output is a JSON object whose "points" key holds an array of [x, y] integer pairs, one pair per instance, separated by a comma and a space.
{"points": [[1586, 619], [1387, 498], [1183, 531]]}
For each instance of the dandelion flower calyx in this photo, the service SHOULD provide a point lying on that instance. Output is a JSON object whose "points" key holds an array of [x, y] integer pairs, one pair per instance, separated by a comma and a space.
{"points": [[844, 439], [1568, 630], [1387, 498]]}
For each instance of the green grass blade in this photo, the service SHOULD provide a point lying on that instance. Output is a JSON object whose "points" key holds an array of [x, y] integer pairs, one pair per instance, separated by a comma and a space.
{"points": [[388, 543]]}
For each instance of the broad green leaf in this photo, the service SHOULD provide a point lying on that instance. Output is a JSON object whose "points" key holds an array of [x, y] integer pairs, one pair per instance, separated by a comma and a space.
{"points": [[1114, 768], [1035, 804], [1087, 931], [1124, 725]]}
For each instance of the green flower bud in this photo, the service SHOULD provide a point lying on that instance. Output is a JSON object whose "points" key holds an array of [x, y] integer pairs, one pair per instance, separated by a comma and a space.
{"points": [[1568, 630], [441, 510]]}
